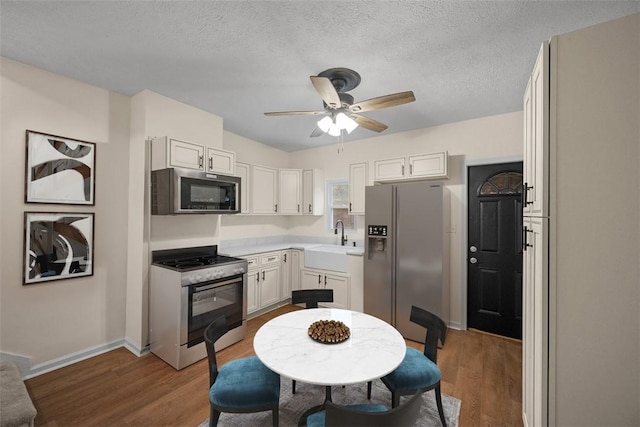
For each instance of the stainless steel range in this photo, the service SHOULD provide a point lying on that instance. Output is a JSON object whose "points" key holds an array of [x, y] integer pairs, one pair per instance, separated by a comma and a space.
{"points": [[188, 289]]}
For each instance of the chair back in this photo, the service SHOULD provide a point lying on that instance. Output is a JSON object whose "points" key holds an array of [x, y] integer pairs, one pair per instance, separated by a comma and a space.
{"points": [[402, 415], [311, 297], [436, 330], [214, 331]]}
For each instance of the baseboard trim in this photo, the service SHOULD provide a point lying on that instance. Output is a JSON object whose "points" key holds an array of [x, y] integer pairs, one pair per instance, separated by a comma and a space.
{"points": [[72, 358], [133, 348], [456, 325]]}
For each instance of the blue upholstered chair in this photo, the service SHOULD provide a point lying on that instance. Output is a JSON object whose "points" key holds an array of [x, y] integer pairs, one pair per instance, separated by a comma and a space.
{"points": [[418, 371], [310, 298], [242, 385], [370, 415]]}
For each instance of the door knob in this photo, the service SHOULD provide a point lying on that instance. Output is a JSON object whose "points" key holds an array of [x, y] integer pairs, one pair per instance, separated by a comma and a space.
{"points": [[473, 260], [473, 249]]}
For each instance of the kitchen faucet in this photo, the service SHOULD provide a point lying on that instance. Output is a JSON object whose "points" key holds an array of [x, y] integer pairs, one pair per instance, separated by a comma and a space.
{"points": [[343, 239]]}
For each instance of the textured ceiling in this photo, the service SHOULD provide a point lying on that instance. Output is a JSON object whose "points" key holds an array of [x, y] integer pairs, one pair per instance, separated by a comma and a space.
{"points": [[238, 59]]}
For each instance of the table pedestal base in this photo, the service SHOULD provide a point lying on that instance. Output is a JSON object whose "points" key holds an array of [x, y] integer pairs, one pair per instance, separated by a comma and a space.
{"points": [[318, 408]]}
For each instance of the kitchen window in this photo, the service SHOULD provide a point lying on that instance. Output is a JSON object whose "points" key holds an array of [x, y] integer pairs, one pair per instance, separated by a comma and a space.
{"points": [[338, 205]]}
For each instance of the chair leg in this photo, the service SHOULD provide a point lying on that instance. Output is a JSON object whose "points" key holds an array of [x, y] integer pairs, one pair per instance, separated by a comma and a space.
{"points": [[213, 417], [439, 403], [369, 390], [276, 412], [395, 399], [293, 386]]}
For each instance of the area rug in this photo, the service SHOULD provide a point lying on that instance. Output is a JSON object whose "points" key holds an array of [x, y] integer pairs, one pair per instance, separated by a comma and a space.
{"points": [[292, 406]]}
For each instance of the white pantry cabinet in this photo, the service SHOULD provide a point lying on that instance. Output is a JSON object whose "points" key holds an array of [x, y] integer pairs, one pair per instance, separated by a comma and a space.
{"points": [[357, 184], [417, 166], [243, 171], [536, 138], [290, 194], [312, 192], [264, 190], [314, 279]]}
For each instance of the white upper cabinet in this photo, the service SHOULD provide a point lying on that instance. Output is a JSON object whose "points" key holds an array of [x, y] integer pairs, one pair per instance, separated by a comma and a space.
{"points": [[388, 169], [264, 190], [243, 170], [312, 192], [169, 152], [221, 161], [290, 191], [357, 183], [536, 137], [418, 166]]}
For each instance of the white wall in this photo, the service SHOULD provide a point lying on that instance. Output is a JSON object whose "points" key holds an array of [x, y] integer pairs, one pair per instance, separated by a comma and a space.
{"points": [[487, 140], [595, 255], [52, 320], [154, 116]]}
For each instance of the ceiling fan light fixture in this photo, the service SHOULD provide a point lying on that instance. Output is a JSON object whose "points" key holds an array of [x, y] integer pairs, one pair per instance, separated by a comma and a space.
{"points": [[325, 124], [345, 122]]}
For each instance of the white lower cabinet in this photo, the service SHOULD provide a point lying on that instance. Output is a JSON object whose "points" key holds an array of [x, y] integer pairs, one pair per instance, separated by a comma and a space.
{"points": [[323, 279], [290, 273], [263, 280]]}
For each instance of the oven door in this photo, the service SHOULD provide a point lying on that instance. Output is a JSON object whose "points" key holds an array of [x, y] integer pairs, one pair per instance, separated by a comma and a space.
{"points": [[206, 301]]}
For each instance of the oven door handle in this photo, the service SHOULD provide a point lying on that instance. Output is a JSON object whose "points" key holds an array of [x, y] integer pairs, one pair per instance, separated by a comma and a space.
{"points": [[215, 285]]}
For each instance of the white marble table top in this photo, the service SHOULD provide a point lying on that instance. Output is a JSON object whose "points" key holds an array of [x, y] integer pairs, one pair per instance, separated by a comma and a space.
{"points": [[373, 350]]}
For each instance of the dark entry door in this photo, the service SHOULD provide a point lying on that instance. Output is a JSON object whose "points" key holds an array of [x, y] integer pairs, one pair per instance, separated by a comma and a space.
{"points": [[494, 255]]}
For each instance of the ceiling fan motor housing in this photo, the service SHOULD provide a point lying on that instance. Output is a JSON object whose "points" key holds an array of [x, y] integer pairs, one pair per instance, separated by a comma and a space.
{"points": [[342, 79]]}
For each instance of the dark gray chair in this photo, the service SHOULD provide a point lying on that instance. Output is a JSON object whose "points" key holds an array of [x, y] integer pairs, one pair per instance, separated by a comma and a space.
{"points": [[370, 415], [311, 297], [418, 371], [240, 386]]}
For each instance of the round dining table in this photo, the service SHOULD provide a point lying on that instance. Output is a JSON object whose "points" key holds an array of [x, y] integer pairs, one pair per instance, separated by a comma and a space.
{"points": [[374, 348]]}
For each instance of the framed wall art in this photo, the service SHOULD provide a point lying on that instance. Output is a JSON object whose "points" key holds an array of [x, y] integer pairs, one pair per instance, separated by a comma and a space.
{"points": [[59, 170], [57, 246]]}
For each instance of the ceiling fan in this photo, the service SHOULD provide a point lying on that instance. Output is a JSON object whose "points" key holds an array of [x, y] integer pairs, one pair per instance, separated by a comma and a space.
{"points": [[340, 112]]}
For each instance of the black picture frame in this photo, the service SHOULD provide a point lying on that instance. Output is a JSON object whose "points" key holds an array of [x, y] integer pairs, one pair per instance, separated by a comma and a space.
{"points": [[58, 245], [59, 170]]}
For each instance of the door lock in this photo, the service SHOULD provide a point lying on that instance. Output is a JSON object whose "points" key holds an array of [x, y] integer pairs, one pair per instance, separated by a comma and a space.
{"points": [[473, 260]]}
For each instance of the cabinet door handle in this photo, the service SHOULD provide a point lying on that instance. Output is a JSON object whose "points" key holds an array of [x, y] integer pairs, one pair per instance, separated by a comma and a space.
{"points": [[258, 277], [285, 257], [325, 281], [201, 162], [402, 170], [210, 162], [525, 245], [309, 207], [276, 208], [410, 168], [350, 207], [525, 191], [262, 274], [298, 207], [319, 280]]}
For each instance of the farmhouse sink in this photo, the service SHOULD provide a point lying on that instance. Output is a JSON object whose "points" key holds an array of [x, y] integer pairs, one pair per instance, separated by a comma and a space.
{"points": [[326, 257]]}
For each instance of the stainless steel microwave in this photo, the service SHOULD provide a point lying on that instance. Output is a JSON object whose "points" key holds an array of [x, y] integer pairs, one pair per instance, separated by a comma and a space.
{"points": [[176, 191]]}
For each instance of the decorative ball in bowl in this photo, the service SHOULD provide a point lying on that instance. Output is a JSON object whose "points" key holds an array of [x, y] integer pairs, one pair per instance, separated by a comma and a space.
{"points": [[329, 331]]}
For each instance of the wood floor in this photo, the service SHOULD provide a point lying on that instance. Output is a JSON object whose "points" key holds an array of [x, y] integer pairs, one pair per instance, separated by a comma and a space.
{"points": [[119, 389]]}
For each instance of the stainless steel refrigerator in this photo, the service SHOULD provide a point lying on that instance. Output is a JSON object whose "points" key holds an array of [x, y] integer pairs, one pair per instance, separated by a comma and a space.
{"points": [[406, 253]]}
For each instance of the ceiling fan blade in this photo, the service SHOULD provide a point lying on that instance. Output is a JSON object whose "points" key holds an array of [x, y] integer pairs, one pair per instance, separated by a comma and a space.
{"points": [[294, 113], [385, 101], [316, 132], [327, 92], [369, 123]]}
